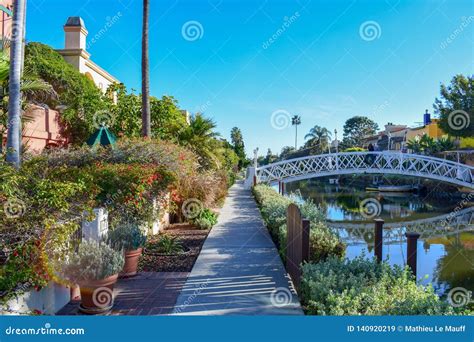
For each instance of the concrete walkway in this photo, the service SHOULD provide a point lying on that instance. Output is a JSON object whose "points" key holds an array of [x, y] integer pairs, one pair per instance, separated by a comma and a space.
{"points": [[239, 271]]}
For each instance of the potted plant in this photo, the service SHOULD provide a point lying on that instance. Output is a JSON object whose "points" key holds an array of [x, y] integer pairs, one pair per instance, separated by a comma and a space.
{"points": [[131, 238], [94, 267]]}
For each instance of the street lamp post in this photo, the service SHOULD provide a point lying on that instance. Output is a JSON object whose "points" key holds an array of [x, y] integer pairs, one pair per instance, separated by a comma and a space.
{"points": [[335, 141]]}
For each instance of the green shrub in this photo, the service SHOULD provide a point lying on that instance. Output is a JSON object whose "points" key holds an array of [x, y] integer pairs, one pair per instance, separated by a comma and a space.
{"points": [[366, 287], [206, 219], [93, 261], [127, 236], [273, 207], [166, 245]]}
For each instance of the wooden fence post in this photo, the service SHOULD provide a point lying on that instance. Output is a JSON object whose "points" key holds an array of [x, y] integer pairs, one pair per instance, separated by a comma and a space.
{"points": [[378, 239], [282, 188], [412, 242], [297, 243]]}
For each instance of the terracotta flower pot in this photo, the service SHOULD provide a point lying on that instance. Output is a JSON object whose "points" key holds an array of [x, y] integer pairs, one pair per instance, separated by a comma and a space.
{"points": [[131, 263], [97, 296]]}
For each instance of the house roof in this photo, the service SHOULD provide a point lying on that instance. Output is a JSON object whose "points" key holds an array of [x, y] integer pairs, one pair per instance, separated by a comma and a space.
{"points": [[75, 22]]}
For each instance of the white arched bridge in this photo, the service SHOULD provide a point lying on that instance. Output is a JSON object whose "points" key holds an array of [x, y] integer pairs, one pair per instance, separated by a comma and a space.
{"points": [[333, 164]]}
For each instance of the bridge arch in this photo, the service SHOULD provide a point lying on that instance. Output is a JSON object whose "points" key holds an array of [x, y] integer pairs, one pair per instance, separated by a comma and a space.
{"points": [[396, 163]]}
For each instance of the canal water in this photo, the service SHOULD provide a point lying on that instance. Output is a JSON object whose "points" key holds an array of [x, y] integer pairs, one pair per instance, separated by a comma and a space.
{"points": [[443, 217]]}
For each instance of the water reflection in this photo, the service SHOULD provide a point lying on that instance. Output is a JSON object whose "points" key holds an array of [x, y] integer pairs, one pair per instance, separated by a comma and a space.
{"points": [[444, 219]]}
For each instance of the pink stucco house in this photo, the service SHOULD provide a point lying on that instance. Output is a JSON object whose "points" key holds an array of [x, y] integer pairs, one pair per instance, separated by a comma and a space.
{"points": [[42, 128]]}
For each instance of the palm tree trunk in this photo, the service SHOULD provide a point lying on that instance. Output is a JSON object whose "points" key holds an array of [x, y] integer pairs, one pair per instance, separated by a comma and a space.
{"points": [[146, 120], [14, 101], [296, 137]]}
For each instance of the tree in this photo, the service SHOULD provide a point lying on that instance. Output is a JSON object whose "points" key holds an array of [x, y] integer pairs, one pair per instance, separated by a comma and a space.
{"points": [[355, 129], [456, 107], [286, 152], [201, 138], [238, 145], [296, 121], [318, 138], [14, 102], [270, 157], [146, 115]]}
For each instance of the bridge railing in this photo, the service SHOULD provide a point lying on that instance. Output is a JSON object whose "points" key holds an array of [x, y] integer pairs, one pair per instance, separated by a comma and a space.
{"points": [[367, 162]]}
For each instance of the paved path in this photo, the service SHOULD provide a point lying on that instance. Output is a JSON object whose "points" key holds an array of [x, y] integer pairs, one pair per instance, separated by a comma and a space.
{"points": [[239, 271], [149, 293]]}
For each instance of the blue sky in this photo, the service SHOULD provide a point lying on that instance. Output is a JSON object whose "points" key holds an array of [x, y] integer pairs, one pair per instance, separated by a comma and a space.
{"points": [[327, 60]]}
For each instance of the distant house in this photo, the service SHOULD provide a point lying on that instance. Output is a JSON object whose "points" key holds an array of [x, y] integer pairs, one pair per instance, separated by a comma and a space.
{"points": [[75, 53], [430, 128]]}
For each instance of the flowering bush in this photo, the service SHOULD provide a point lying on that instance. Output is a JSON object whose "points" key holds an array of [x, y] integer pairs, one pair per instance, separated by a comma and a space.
{"points": [[42, 208], [366, 287], [128, 190]]}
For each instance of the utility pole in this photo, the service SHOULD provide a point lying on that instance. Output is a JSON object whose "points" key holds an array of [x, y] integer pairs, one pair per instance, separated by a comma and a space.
{"points": [[14, 81]]}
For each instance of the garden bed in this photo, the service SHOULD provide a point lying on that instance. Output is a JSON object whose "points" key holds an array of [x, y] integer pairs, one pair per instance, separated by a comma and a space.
{"points": [[191, 239]]}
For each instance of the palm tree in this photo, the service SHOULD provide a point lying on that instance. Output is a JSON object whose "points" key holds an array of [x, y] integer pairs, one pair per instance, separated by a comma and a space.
{"points": [[296, 121], [14, 103], [318, 137], [200, 137], [146, 114], [31, 88]]}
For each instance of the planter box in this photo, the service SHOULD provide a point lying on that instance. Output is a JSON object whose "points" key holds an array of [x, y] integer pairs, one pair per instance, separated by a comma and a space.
{"points": [[48, 300]]}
